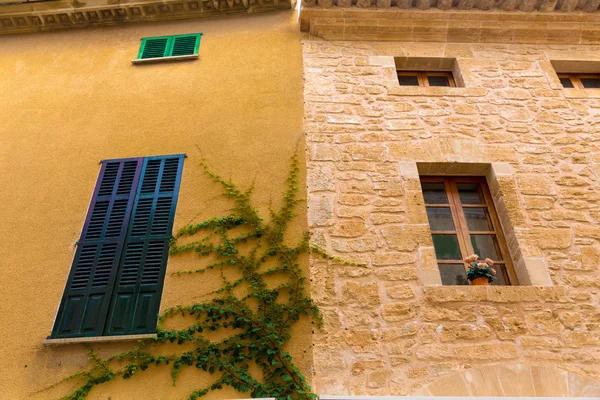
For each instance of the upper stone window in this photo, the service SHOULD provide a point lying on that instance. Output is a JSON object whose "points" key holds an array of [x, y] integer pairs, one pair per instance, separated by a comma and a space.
{"points": [[580, 81], [425, 78], [463, 221], [428, 72]]}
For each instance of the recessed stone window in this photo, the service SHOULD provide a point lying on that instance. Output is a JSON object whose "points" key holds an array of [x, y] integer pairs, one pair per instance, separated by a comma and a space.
{"points": [[428, 71], [425, 78], [575, 77], [580, 81], [463, 221]]}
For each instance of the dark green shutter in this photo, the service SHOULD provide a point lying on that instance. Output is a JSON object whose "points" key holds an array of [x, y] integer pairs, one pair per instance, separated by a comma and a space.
{"points": [[154, 47], [85, 302], [169, 46], [138, 289], [185, 45]]}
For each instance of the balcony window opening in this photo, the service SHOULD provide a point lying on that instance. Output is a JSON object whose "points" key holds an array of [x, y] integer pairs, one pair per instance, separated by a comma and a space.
{"points": [[463, 221]]}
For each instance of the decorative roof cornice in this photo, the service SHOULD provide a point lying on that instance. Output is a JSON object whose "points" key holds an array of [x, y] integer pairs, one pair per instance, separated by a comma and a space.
{"points": [[49, 15], [453, 25], [465, 5]]}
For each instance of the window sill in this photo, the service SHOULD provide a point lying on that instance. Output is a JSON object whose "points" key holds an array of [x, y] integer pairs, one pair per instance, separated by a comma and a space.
{"points": [[397, 90], [494, 294], [97, 339], [162, 59], [582, 93]]}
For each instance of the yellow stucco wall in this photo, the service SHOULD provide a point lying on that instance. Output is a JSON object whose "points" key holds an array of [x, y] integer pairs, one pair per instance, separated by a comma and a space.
{"points": [[72, 98]]}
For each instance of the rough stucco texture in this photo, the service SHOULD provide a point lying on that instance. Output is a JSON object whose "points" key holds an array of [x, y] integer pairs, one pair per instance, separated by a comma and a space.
{"points": [[386, 332], [73, 98]]}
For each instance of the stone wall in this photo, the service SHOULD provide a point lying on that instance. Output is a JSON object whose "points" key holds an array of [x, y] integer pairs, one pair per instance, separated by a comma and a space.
{"points": [[390, 328]]}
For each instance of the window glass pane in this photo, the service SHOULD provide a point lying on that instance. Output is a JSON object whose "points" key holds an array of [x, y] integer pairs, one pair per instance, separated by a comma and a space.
{"points": [[478, 219], [590, 83], [440, 219], [408, 80], [500, 270], [453, 274], [566, 82], [485, 246], [434, 193], [446, 247], [438, 81], [470, 193]]}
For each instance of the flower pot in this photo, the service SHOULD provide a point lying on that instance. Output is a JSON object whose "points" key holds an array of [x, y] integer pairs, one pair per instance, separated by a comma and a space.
{"points": [[483, 281]]}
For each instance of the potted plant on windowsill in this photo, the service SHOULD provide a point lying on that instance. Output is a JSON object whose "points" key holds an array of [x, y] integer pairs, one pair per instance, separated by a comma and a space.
{"points": [[480, 273]]}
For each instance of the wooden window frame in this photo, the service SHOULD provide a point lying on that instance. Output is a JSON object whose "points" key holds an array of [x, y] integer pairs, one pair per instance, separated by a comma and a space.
{"points": [[423, 75], [460, 223], [576, 79]]}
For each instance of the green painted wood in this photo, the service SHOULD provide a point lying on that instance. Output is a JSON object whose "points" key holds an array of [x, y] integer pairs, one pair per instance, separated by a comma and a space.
{"points": [[138, 289], [84, 306], [167, 46], [154, 47]]}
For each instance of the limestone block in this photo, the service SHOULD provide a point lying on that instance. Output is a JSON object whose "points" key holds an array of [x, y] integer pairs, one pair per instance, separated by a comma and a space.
{"points": [[361, 245], [378, 378], [366, 294], [320, 178], [452, 333], [320, 210], [387, 218], [549, 238], [539, 203], [356, 187], [360, 152], [351, 212], [353, 200], [487, 352], [395, 258], [361, 340], [435, 352], [507, 327], [543, 323], [400, 292], [348, 229], [407, 237], [535, 184], [431, 314], [407, 330], [396, 273], [395, 312], [447, 294], [587, 231]]}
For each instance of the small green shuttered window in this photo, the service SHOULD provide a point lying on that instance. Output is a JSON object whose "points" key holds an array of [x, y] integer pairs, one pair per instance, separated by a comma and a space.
{"points": [[116, 279], [162, 48]]}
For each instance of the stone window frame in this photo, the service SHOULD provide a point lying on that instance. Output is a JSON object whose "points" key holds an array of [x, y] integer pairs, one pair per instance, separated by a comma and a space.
{"points": [[555, 66], [390, 65], [576, 79], [423, 77], [501, 180], [462, 232]]}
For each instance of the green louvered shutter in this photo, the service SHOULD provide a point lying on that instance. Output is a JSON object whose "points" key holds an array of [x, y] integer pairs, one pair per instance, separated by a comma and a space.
{"points": [[154, 47], [84, 306], [184, 45], [138, 289]]}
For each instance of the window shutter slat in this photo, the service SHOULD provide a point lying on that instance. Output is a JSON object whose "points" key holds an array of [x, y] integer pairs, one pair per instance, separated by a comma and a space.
{"points": [[154, 47], [137, 292], [185, 45], [85, 302]]}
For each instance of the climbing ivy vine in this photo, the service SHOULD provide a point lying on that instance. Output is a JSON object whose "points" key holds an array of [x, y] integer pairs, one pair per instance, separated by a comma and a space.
{"points": [[253, 316]]}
